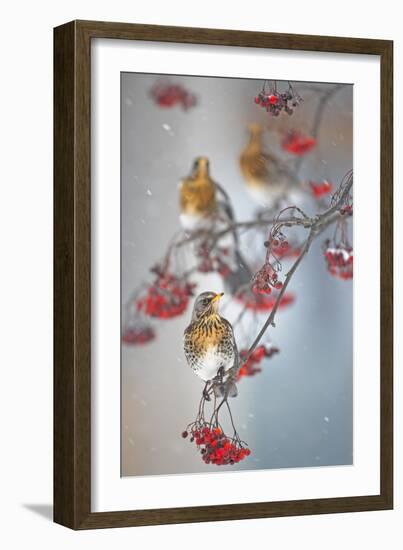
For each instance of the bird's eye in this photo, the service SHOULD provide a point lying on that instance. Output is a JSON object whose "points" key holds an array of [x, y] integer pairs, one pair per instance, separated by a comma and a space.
{"points": [[205, 301]]}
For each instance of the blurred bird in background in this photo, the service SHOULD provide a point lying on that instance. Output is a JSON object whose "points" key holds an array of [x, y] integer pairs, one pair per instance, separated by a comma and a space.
{"points": [[198, 204], [268, 182], [206, 206], [210, 346]]}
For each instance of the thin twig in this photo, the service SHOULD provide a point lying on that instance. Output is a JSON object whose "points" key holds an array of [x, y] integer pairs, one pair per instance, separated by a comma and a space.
{"points": [[270, 320]]}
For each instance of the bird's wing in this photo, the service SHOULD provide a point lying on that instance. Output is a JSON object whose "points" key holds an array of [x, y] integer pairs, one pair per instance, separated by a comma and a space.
{"points": [[188, 332], [242, 273], [224, 202], [234, 345], [257, 166], [229, 388], [188, 343], [277, 167], [268, 157]]}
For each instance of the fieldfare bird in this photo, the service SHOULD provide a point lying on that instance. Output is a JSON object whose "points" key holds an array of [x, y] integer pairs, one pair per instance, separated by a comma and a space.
{"points": [[267, 181], [205, 205], [198, 203], [210, 346]]}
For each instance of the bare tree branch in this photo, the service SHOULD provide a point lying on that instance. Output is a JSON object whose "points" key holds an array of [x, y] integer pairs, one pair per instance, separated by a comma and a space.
{"points": [[316, 225]]}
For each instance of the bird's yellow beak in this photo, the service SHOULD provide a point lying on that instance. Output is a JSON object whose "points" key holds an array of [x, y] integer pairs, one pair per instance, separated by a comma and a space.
{"points": [[217, 297]]}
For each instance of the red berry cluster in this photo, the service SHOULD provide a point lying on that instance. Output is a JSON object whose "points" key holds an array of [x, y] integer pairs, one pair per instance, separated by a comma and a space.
{"points": [[212, 262], [320, 188], [284, 249], [347, 210], [166, 298], [339, 259], [168, 95], [297, 143], [263, 302], [250, 368], [138, 335], [275, 102], [265, 279], [215, 447]]}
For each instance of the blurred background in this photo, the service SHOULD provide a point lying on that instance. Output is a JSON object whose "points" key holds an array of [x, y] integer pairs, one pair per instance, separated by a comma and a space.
{"points": [[298, 411]]}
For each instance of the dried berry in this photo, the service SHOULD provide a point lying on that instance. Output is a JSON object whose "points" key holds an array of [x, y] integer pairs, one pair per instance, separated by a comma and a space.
{"points": [[275, 102]]}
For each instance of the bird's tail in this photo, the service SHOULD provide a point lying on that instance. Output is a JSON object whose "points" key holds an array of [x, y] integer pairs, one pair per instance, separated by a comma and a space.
{"points": [[226, 389], [239, 276]]}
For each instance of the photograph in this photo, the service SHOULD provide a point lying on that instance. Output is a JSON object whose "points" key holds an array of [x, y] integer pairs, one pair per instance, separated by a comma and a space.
{"points": [[236, 274]]}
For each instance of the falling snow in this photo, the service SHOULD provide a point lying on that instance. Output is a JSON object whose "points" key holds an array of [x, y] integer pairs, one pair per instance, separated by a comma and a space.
{"points": [[168, 129]]}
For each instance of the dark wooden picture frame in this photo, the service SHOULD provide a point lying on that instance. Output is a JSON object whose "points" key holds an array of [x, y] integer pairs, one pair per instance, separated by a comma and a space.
{"points": [[72, 270]]}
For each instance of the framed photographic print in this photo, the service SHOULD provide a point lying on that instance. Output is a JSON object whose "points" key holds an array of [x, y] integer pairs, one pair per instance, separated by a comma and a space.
{"points": [[222, 275]]}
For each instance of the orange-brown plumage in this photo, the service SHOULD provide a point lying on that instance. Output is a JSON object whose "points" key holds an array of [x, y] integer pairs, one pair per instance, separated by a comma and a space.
{"points": [[253, 162], [263, 176], [197, 195], [209, 342]]}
